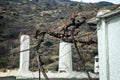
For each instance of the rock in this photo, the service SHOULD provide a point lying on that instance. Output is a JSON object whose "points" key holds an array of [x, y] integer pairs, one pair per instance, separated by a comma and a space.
{"points": [[1, 17]]}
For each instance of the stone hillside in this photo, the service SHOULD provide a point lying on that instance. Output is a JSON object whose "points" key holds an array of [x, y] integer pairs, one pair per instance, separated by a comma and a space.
{"points": [[24, 17]]}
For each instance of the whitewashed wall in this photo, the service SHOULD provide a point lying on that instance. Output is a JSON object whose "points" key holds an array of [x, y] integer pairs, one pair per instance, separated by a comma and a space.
{"points": [[109, 48], [114, 48], [102, 50]]}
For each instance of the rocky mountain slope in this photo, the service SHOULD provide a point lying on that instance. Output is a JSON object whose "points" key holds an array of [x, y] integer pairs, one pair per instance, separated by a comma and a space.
{"points": [[24, 17]]}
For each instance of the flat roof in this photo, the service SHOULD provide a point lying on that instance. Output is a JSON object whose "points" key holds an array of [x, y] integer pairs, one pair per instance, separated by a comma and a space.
{"points": [[106, 15], [112, 13]]}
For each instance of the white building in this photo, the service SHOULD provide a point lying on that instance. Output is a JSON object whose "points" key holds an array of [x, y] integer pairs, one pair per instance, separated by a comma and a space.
{"points": [[109, 44]]}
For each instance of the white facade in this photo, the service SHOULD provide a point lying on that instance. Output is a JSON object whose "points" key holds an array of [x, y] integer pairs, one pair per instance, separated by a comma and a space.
{"points": [[65, 57], [24, 55], [109, 46]]}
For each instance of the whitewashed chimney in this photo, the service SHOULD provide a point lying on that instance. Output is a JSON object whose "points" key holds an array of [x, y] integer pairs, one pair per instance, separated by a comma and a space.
{"points": [[96, 65], [24, 55], [65, 57]]}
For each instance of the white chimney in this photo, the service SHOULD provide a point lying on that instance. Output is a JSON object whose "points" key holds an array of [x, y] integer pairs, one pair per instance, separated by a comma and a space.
{"points": [[65, 57], [24, 55]]}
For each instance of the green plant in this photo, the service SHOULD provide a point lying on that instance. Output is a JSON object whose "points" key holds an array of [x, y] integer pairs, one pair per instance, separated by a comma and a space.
{"points": [[48, 43]]}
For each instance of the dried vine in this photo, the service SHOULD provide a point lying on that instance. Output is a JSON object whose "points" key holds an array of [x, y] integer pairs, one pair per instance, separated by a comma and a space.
{"points": [[68, 36], [40, 66]]}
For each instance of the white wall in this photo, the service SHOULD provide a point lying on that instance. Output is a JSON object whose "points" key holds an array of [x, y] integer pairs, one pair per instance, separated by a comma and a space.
{"points": [[109, 48], [102, 50], [114, 48]]}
